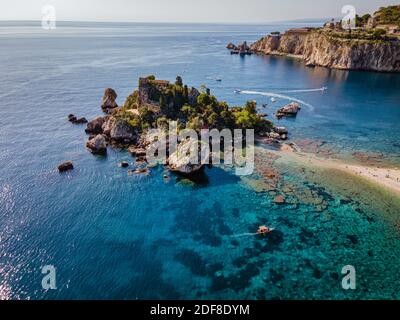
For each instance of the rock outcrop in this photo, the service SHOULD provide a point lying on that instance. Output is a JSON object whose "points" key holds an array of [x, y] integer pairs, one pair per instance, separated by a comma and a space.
{"points": [[318, 48], [74, 119], [181, 160], [231, 46], [193, 95], [289, 110], [242, 49], [65, 166], [280, 133], [95, 126], [118, 130], [97, 145], [124, 164], [108, 102]]}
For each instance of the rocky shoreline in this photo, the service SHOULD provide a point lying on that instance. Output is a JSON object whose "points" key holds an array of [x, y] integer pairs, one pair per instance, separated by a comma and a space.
{"points": [[317, 48], [157, 102], [369, 47]]}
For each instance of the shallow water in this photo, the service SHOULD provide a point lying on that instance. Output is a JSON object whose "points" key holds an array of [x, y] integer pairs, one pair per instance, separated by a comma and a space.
{"points": [[111, 235]]}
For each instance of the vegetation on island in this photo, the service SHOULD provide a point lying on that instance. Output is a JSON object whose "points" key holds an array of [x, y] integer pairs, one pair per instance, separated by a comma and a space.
{"points": [[388, 15], [382, 26], [189, 107], [361, 21], [376, 35]]}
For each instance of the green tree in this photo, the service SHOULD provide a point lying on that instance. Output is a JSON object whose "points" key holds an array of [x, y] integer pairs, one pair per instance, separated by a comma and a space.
{"points": [[185, 94], [213, 120], [179, 81], [197, 123], [146, 116], [251, 107]]}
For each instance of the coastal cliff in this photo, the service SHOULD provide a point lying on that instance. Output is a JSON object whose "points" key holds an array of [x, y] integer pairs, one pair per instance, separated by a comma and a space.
{"points": [[320, 48], [372, 44]]}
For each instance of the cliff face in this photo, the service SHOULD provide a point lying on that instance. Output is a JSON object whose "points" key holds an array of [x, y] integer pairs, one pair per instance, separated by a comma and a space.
{"points": [[317, 48]]}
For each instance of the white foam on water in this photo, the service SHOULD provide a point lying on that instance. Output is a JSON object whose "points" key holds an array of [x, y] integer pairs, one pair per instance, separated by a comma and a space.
{"points": [[278, 95], [306, 90]]}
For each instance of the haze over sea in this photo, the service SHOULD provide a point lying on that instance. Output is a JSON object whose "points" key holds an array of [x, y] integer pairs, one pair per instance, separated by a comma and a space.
{"points": [[114, 236]]}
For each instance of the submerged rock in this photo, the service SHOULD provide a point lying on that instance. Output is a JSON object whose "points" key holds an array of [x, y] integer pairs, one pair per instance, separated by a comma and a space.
{"points": [[124, 164], [108, 102], [139, 171], [279, 200], [137, 151], [72, 118], [181, 160], [289, 110], [97, 145], [95, 126], [65, 166]]}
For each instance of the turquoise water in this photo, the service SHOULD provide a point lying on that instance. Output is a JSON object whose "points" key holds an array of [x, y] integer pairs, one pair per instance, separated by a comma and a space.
{"points": [[114, 236]]}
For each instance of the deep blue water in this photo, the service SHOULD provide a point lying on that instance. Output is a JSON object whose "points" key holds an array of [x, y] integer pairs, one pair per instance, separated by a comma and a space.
{"points": [[111, 235]]}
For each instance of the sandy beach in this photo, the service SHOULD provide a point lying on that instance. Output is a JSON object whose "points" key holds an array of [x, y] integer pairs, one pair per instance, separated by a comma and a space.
{"points": [[386, 177]]}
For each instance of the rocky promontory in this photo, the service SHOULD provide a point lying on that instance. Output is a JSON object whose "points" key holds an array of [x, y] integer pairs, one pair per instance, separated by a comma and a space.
{"points": [[374, 45], [320, 48]]}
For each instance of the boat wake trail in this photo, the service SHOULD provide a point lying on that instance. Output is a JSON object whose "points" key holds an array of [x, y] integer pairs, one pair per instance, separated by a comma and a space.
{"points": [[244, 235], [305, 90], [280, 96]]}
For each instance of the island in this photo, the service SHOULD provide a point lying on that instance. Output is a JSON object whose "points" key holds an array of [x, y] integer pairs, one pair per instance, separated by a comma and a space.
{"points": [[374, 45], [157, 102]]}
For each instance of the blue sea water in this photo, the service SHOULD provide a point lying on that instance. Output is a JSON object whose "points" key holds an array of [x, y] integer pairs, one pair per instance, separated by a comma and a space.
{"points": [[114, 236]]}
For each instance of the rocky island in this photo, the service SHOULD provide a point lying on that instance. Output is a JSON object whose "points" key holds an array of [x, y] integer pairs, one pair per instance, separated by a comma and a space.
{"points": [[157, 102], [374, 45]]}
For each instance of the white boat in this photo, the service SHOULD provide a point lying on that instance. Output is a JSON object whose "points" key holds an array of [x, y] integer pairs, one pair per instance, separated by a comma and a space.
{"points": [[237, 91], [273, 99]]}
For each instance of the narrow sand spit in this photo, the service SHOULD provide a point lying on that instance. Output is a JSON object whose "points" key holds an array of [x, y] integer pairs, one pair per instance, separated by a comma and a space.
{"points": [[385, 177]]}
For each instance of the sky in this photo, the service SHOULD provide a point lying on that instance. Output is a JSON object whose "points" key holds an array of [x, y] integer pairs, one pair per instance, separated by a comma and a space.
{"points": [[197, 11]]}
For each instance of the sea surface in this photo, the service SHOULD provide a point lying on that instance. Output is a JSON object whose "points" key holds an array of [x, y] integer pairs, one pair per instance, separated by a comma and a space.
{"points": [[114, 236]]}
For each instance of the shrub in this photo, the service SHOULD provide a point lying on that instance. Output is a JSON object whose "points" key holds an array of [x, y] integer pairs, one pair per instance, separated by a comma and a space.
{"points": [[135, 122], [131, 101], [378, 34]]}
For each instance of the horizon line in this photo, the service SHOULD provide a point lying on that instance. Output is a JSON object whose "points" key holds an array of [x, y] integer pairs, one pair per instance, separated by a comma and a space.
{"points": [[180, 22]]}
